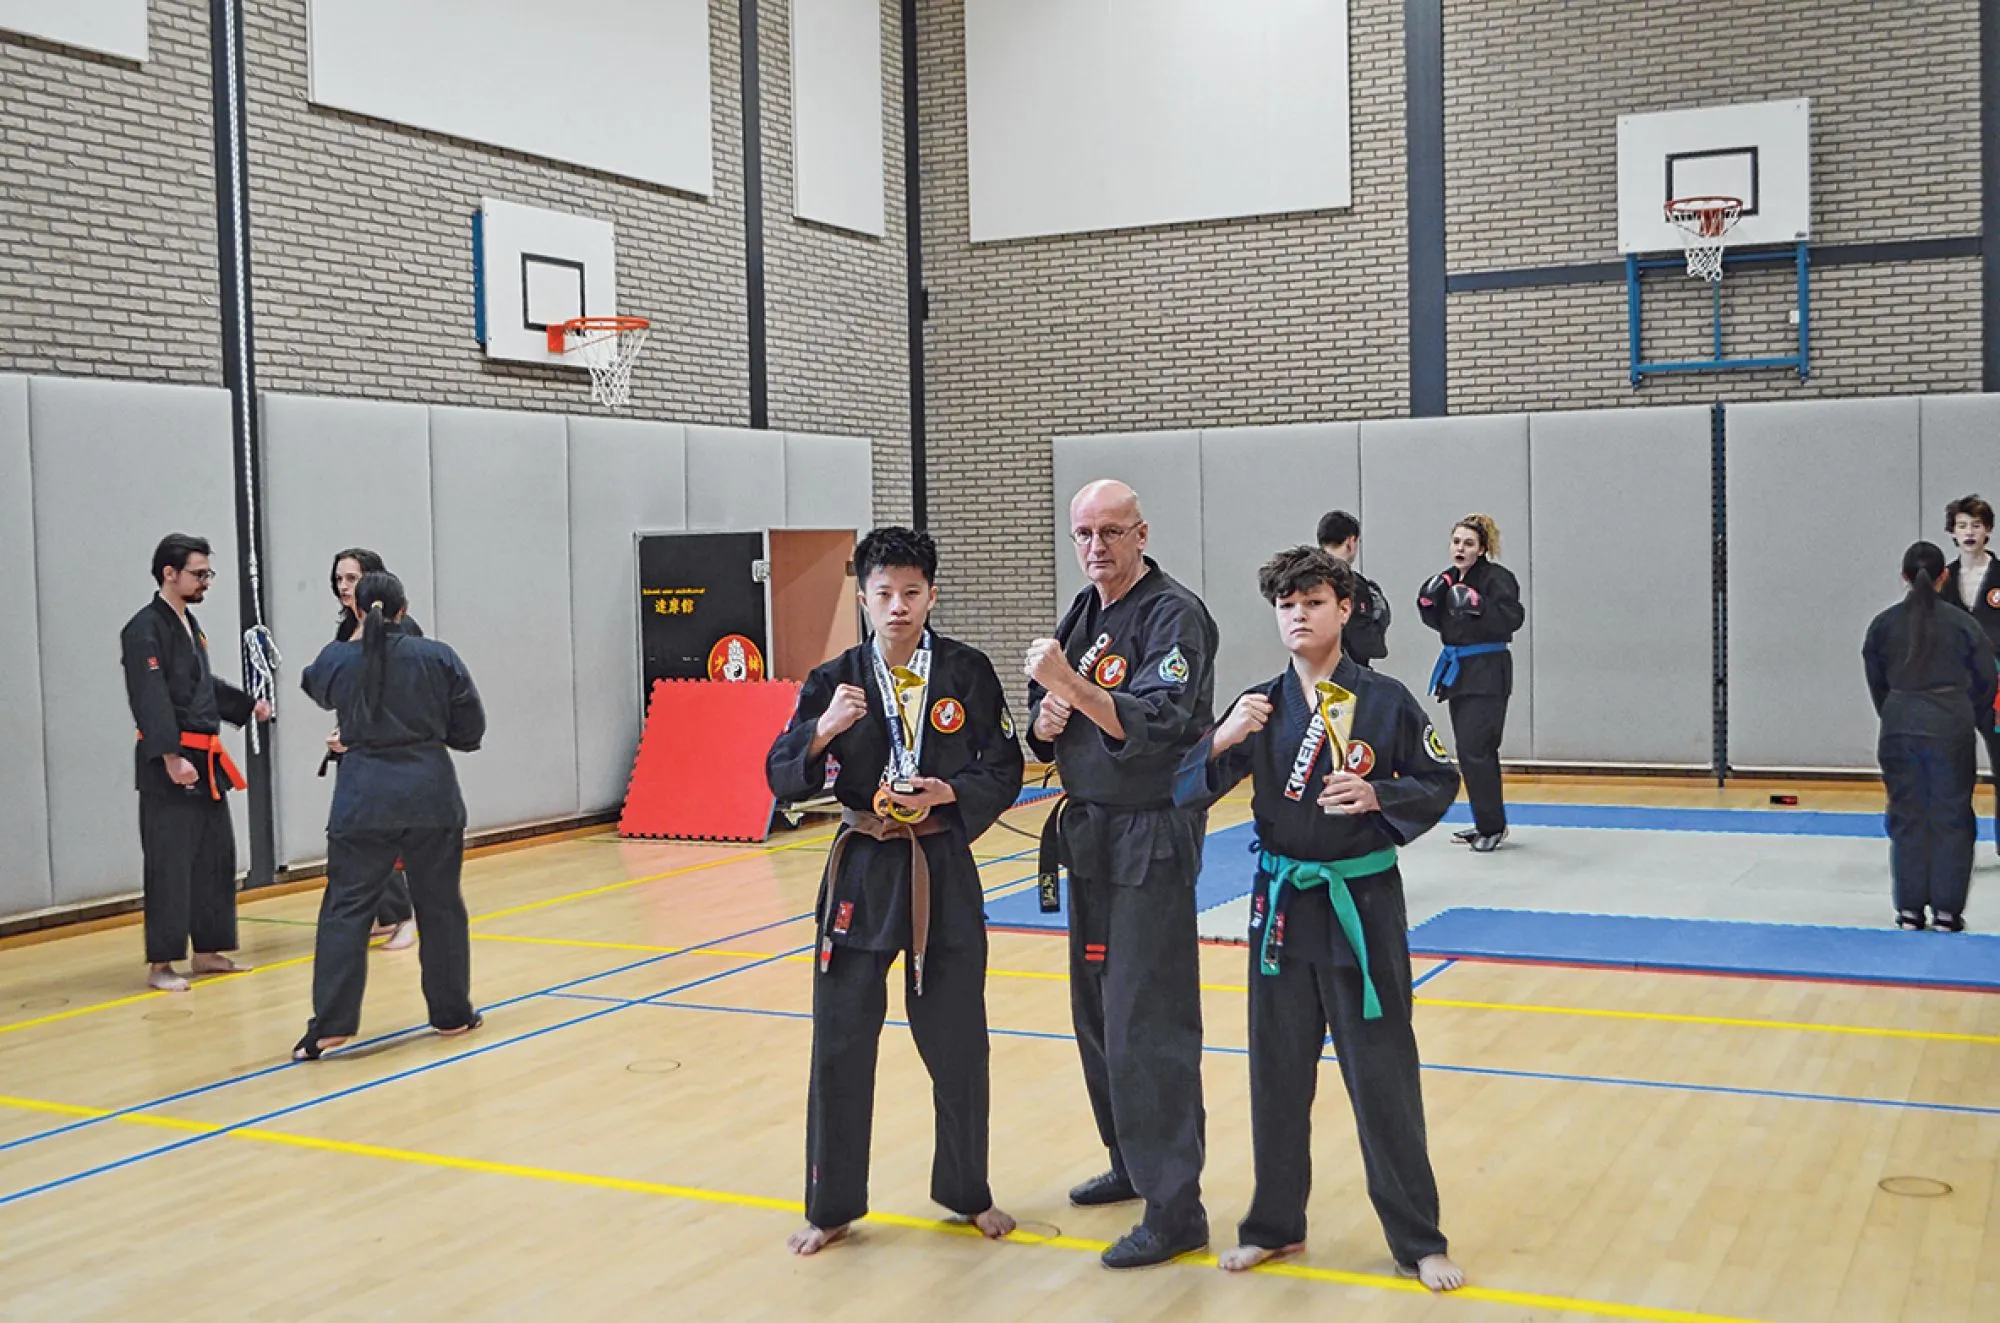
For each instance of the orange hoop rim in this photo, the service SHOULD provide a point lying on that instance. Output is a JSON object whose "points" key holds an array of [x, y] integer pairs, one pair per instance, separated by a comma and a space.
{"points": [[560, 332], [1708, 217]]}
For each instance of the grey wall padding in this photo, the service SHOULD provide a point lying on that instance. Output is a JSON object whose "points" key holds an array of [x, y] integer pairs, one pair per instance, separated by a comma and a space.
{"points": [[1264, 489], [829, 482], [24, 799], [338, 473], [1418, 476], [625, 477], [735, 479], [1823, 500], [500, 517], [1622, 513], [118, 465], [1165, 469]]}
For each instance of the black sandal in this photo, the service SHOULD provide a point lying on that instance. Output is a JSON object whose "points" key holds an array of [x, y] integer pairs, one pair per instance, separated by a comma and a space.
{"points": [[474, 1023], [313, 1046], [1947, 923], [1910, 920]]}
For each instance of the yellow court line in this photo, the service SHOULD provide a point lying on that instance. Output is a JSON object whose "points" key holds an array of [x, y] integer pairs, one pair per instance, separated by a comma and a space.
{"points": [[728, 1198], [1663, 1017], [204, 981]]}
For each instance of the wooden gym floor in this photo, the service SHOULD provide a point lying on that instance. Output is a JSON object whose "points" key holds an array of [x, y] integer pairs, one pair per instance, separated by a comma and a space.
{"points": [[623, 1139]]}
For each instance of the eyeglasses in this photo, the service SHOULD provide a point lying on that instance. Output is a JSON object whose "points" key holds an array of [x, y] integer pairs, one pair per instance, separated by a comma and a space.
{"points": [[203, 576], [1110, 535]]}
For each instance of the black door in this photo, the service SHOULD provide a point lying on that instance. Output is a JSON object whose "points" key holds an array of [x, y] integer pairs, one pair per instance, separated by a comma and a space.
{"points": [[702, 612]]}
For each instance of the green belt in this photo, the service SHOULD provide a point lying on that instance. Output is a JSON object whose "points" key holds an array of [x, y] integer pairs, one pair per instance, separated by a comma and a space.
{"points": [[1334, 875]]}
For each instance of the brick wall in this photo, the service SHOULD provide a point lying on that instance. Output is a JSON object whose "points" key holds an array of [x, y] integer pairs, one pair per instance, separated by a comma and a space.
{"points": [[1281, 319], [107, 207], [836, 304], [1534, 91]]}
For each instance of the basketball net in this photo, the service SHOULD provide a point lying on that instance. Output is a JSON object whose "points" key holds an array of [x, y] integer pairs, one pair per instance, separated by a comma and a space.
{"points": [[1704, 224], [607, 346]]}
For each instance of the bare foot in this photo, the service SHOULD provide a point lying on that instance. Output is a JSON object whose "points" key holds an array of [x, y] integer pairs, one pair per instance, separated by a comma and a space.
{"points": [[402, 937], [381, 930], [994, 1224], [1436, 1272], [215, 962], [165, 978], [1245, 1257], [814, 1239]]}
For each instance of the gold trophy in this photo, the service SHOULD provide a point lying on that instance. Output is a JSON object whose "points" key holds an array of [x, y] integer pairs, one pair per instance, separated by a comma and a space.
{"points": [[900, 775], [1336, 712]]}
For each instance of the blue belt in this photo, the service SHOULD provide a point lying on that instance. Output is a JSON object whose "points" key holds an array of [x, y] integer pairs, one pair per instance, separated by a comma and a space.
{"points": [[1445, 674]]}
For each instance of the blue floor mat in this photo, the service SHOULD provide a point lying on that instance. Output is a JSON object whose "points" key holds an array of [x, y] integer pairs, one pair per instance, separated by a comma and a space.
{"points": [[1227, 871], [1714, 946], [1750, 821]]}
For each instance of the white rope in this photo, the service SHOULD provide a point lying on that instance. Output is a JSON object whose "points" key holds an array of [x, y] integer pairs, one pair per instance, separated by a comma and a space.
{"points": [[260, 667]]}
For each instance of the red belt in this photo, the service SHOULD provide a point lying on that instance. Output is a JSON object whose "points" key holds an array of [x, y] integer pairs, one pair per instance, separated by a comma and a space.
{"points": [[217, 757]]}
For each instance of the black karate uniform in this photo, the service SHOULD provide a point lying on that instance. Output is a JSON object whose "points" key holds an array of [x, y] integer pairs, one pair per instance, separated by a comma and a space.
{"points": [[1318, 985], [397, 797], [395, 907], [1477, 695], [1365, 640], [1929, 712], [1133, 856], [1986, 611], [864, 921], [184, 831]]}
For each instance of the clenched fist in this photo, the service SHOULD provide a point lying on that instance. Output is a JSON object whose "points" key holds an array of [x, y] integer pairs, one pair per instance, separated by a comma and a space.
{"points": [[1052, 718], [1248, 715], [849, 705], [1046, 665]]}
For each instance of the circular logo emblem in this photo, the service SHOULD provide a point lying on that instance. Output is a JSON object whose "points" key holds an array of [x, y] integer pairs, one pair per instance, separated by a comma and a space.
{"points": [[735, 658], [1993, 598], [1360, 758], [1433, 745], [947, 715], [1111, 671]]}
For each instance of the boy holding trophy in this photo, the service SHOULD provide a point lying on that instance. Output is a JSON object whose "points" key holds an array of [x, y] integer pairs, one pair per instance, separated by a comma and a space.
{"points": [[1345, 768]]}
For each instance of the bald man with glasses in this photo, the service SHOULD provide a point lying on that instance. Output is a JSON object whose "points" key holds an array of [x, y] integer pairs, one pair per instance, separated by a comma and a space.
{"points": [[1122, 691]]}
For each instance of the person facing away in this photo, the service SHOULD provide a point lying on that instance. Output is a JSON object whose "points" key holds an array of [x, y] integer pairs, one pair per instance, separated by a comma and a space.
{"points": [[404, 703], [1930, 674], [182, 772]]}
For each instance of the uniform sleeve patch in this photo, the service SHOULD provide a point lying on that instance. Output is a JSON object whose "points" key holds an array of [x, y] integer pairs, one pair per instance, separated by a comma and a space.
{"points": [[1006, 722], [1174, 667], [1433, 745]]}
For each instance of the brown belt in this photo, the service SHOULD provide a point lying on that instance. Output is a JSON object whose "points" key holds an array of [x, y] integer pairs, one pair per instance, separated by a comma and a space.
{"points": [[884, 829]]}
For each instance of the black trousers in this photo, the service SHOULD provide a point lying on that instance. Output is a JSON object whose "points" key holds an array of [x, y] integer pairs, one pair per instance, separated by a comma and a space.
{"points": [[395, 907], [948, 1022], [1135, 998], [1932, 828], [358, 865], [1291, 1012], [190, 874], [1477, 723]]}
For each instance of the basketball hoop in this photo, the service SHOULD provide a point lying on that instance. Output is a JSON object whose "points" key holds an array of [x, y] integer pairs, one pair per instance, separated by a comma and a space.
{"points": [[607, 346], [1704, 224]]}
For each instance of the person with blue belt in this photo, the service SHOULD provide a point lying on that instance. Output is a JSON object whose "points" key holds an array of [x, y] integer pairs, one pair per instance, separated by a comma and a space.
{"points": [[1345, 768], [1931, 675], [1475, 606]]}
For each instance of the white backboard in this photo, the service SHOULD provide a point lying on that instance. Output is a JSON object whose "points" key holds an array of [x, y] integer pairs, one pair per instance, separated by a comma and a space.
{"points": [[533, 268], [1760, 152], [111, 27], [837, 113]]}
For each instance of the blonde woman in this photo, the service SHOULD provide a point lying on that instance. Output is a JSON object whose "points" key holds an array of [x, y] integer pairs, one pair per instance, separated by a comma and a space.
{"points": [[1475, 606]]}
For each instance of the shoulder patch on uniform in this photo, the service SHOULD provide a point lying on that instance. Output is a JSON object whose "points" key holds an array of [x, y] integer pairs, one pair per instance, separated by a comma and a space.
{"points": [[1433, 745], [947, 715], [1360, 758], [1006, 722], [1993, 598], [1110, 672], [1174, 667], [152, 663]]}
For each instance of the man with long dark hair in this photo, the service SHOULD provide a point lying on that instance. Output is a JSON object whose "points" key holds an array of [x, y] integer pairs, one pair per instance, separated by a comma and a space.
{"points": [[183, 772], [404, 703]]}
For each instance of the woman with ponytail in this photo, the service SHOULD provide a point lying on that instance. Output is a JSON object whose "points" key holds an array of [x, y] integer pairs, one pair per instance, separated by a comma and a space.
{"points": [[395, 920], [1930, 673], [1475, 606], [404, 701]]}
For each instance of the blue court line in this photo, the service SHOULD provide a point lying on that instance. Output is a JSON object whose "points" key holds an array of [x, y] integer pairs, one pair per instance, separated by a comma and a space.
{"points": [[418, 1070], [1739, 821], [1962, 1109], [1430, 974]]}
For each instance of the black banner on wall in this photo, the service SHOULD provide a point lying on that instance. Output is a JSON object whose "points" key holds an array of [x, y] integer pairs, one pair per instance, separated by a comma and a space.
{"points": [[703, 612]]}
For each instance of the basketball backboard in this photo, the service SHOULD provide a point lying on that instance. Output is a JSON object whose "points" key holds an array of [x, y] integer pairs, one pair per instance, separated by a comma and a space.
{"points": [[534, 268], [1760, 152]]}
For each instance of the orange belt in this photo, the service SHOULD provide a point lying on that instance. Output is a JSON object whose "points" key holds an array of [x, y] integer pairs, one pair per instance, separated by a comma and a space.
{"points": [[217, 756]]}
